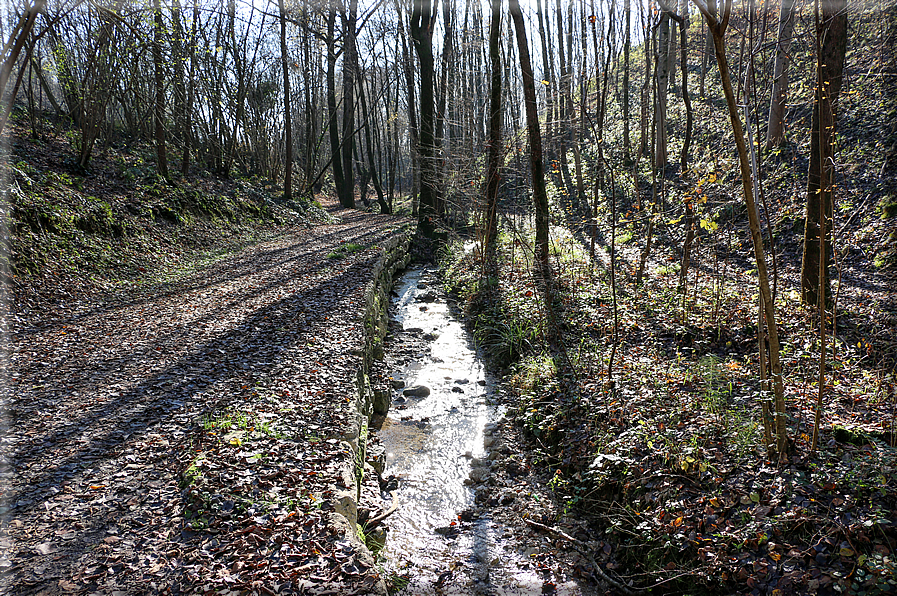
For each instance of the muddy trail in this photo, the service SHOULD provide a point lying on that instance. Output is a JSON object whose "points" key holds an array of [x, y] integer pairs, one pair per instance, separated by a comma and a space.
{"points": [[189, 439]]}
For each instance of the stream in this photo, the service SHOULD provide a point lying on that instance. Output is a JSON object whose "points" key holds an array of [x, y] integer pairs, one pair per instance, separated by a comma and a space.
{"points": [[441, 539]]}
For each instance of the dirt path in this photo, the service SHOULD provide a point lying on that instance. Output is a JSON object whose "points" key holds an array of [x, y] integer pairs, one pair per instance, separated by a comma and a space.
{"points": [[185, 441]]}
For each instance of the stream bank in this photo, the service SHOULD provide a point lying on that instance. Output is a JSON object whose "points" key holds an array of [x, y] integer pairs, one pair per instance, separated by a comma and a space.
{"points": [[452, 467]]}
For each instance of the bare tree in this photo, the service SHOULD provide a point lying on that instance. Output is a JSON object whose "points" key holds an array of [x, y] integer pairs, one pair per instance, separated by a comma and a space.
{"points": [[495, 116], [775, 130], [831, 45], [350, 69], [540, 195], [717, 28], [423, 17], [159, 102], [287, 112], [20, 33]]}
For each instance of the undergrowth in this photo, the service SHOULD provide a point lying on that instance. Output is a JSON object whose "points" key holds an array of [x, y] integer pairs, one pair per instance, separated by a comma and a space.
{"points": [[120, 227], [665, 454]]}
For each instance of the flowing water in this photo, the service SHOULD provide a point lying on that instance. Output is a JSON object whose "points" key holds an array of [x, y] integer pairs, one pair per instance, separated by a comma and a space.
{"points": [[430, 443]]}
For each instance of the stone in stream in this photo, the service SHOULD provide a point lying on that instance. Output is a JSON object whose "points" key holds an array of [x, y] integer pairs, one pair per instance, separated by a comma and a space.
{"points": [[376, 455], [382, 401], [375, 539], [397, 383], [457, 390], [417, 391]]}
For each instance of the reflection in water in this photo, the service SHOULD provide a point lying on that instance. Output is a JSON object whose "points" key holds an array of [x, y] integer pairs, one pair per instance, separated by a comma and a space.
{"points": [[430, 454]]}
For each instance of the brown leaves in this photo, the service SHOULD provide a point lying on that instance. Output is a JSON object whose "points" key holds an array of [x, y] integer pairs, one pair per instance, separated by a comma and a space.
{"points": [[118, 485]]}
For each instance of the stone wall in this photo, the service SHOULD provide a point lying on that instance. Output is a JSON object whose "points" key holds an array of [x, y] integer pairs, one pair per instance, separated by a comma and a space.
{"points": [[394, 257]]}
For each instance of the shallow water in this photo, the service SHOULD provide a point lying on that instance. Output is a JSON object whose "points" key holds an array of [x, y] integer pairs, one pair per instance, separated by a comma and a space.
{"points": [[431, 452]]}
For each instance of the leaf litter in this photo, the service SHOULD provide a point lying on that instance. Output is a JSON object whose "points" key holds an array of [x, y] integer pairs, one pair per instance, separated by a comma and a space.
{"points": [[187, 440]]}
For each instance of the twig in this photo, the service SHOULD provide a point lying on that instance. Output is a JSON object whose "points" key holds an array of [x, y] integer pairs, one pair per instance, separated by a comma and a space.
{"points": [[392, 509], [584, 551]]}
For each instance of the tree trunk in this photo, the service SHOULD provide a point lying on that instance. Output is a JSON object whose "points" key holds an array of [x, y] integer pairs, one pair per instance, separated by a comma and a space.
{"points": [[191, 92], [350, 67], [287, 112], [540, 196], [718, 29], [548, 76], [336, 161], [495, 117], [423, 16], [708, 48], [831, 44], [368, 124], [159, 102], [645, 92], [682, 22], [176, 41], [408, 69], [445, 84], [663, 82], [627, 44], [20, 34], [775, 130], [564, 127]]}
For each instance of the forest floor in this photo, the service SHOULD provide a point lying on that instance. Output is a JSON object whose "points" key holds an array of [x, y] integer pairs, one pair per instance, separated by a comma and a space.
{"points": [[175, 431], [183, 439], [657, 468]]}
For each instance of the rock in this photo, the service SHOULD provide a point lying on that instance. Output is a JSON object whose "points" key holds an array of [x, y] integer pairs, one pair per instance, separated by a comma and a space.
{"points": [[431, 336], [422, 286], [417, 391], [414, 330], [428, 297], [382, 401], [397, 383], [457, 390], [377, 458], [448, 531], [478, 474], [488, 441], [515, 469], [375, 539], [481, 383], [462, 381], [378, 353], [345, 505]]}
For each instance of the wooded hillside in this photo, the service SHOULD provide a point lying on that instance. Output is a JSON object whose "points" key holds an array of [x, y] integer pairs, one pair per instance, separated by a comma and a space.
{"points": [[684, 215]]}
